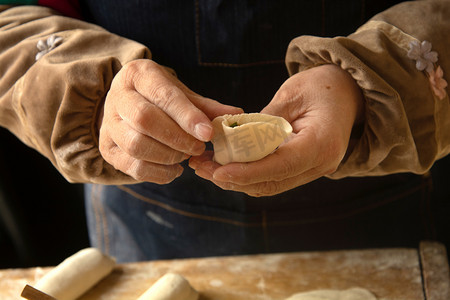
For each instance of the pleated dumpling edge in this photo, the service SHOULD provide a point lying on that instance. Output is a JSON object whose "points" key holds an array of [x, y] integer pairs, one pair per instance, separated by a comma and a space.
{"points": [[247, 137]]}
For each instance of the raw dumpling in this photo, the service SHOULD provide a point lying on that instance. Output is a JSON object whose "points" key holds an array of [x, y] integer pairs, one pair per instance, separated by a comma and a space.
{"points": [[247, 137]]}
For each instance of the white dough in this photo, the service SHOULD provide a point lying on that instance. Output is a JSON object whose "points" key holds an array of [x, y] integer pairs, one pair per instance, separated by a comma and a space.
{"points": [[256, 136], [170, 287], [350, 294], [76, 274]]}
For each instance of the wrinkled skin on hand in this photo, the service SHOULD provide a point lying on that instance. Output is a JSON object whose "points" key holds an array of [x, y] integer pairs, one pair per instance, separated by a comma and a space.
{"points": [[151, 122], [322, 104]]}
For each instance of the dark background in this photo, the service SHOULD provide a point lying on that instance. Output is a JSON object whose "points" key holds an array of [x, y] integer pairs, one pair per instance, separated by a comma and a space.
{"points": [[41, 215]]}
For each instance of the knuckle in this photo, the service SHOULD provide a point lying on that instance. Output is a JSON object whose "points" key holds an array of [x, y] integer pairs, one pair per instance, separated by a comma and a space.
{"points": [[141, 115], [130, 71], [164, 94], [133, 70], [137, 170], [133, 144], [175, 138], [183, 142], [175, 158], [284, 94], [150, 64], [132, 66], [169, 157], [288, 95], [268, 188]]}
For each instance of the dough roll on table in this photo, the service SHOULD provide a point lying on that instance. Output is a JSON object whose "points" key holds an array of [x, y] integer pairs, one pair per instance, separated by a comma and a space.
{"points": [[76, 274]]}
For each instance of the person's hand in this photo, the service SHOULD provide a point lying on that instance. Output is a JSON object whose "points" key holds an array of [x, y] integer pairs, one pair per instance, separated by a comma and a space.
{"points": [[322, 104], [151, 122]]}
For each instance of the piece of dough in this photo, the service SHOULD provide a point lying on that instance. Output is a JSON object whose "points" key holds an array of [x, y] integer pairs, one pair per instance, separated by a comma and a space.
{"points": [[247, 137], [170, 287], [76, 274], [350, 294]]}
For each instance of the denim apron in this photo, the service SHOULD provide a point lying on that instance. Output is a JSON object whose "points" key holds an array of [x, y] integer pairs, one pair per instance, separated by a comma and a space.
{"points": [[233, 51]]}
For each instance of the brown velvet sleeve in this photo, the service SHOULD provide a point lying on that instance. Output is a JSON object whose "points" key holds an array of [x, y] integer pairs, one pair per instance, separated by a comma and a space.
{"points": [[51, 104], [407, 123]]}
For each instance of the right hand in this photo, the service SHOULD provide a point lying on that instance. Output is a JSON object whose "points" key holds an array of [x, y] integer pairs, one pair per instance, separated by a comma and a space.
{"points": [[151, 122], [322, 104]]}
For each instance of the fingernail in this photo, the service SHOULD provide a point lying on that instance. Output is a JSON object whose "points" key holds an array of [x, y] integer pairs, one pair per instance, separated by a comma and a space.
{"points": [[221, 175], [203, 131]]}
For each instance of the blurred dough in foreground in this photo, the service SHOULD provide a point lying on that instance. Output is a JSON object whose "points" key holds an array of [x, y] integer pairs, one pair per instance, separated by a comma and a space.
{"points": [[350, 294]]}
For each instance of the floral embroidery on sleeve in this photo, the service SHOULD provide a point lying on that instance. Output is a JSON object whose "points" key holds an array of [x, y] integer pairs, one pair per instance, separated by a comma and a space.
{"points": [[438, 83], [45, 47], [425, 61]]}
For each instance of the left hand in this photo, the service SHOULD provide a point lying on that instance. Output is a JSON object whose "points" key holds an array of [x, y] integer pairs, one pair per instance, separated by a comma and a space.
{"points": [[322, 104]]}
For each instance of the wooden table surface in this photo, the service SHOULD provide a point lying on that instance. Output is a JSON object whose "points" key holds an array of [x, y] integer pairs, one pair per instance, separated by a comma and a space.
{"points": [[411, 274]]}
